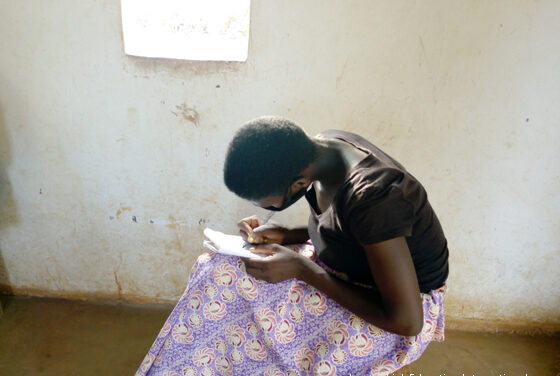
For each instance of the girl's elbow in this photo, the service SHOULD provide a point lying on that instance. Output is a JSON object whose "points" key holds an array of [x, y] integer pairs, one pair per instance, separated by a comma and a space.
{"points": [[409, 326], [411, 330]]}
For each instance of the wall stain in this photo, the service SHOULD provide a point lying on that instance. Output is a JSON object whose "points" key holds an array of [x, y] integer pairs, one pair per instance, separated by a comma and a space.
{"points": [[339, 77], [119, 287], [172, 224], [423, 56], [133, 116], [115, 274], [9, 214], [175, 244], [121, 210], [150, 67], [187, 113]]}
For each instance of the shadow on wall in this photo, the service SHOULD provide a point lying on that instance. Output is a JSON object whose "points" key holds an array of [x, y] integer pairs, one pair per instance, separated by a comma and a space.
{"points": [[8, 209]]}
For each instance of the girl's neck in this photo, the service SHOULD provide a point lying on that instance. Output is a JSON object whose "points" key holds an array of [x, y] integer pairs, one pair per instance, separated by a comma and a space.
{"points": [[330, 167]]}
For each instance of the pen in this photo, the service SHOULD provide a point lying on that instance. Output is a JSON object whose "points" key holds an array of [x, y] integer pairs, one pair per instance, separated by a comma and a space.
{"points": [[268, 216], [266, 219]]}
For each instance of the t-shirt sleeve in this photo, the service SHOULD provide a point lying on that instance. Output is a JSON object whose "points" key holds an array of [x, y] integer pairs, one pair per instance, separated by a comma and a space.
{"points": [[375, 215]]}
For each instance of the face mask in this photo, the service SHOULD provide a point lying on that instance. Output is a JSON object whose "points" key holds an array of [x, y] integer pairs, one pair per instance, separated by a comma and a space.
{"points": [[289, 200]]}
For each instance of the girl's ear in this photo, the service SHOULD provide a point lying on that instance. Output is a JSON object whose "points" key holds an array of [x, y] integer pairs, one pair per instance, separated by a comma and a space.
{"points": [[301, 181]]}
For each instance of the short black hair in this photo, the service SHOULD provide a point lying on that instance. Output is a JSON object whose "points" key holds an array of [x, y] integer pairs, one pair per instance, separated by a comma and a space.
{"points": [[265, 156]]}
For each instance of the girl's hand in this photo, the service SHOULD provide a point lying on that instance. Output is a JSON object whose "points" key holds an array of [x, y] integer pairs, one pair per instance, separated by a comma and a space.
{"points": [[252, 231], [281, 264]]}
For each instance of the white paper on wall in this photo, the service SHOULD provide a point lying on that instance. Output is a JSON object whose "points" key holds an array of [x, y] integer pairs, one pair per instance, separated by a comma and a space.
{"points": [[187, 29]]}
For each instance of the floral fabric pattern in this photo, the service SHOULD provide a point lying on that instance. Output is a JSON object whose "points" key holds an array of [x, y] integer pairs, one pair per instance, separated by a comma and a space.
{"points": [[228, 323]]}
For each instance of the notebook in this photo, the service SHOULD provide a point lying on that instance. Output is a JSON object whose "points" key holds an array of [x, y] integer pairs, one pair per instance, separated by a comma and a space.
{"points": [[233, 245]]}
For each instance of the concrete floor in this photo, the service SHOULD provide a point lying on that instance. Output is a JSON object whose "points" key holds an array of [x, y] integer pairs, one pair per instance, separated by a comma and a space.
{"points": [[63, 337]]}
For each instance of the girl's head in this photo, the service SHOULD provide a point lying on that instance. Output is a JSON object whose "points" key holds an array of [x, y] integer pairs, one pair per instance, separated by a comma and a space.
{"points": [[265, 157]]}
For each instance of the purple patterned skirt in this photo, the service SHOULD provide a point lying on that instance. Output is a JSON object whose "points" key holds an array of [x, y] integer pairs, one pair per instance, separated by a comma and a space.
{"points": [[228, 323]]}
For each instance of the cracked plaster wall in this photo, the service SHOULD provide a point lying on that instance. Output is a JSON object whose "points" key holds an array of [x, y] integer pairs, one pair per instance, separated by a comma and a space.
{"points": [[110, 165]]}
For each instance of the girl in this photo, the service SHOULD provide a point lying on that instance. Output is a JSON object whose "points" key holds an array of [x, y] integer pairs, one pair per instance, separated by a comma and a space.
{"points": [[365, 297]]}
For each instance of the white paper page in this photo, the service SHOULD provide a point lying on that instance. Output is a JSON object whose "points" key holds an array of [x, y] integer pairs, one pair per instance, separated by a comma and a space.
{"points": [[228, 244], [187, 29]]}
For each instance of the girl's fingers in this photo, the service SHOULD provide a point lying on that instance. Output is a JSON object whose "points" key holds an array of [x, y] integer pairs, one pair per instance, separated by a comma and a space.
{"points": [[255, 272], [253, 221], [251, 266], [258, 261], [263, 250], [263, 228], [248, 225], [244, 235]]}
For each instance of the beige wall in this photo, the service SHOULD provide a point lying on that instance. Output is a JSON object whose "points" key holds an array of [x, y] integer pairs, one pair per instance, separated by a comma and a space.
{"points": [[464, 93]]}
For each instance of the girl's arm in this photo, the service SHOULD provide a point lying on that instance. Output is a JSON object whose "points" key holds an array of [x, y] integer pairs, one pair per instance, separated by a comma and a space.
{"points": [[396, 308]]}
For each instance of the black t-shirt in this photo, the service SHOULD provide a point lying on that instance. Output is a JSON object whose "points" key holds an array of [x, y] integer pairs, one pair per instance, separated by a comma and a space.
{"points": [[379, 200]]}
